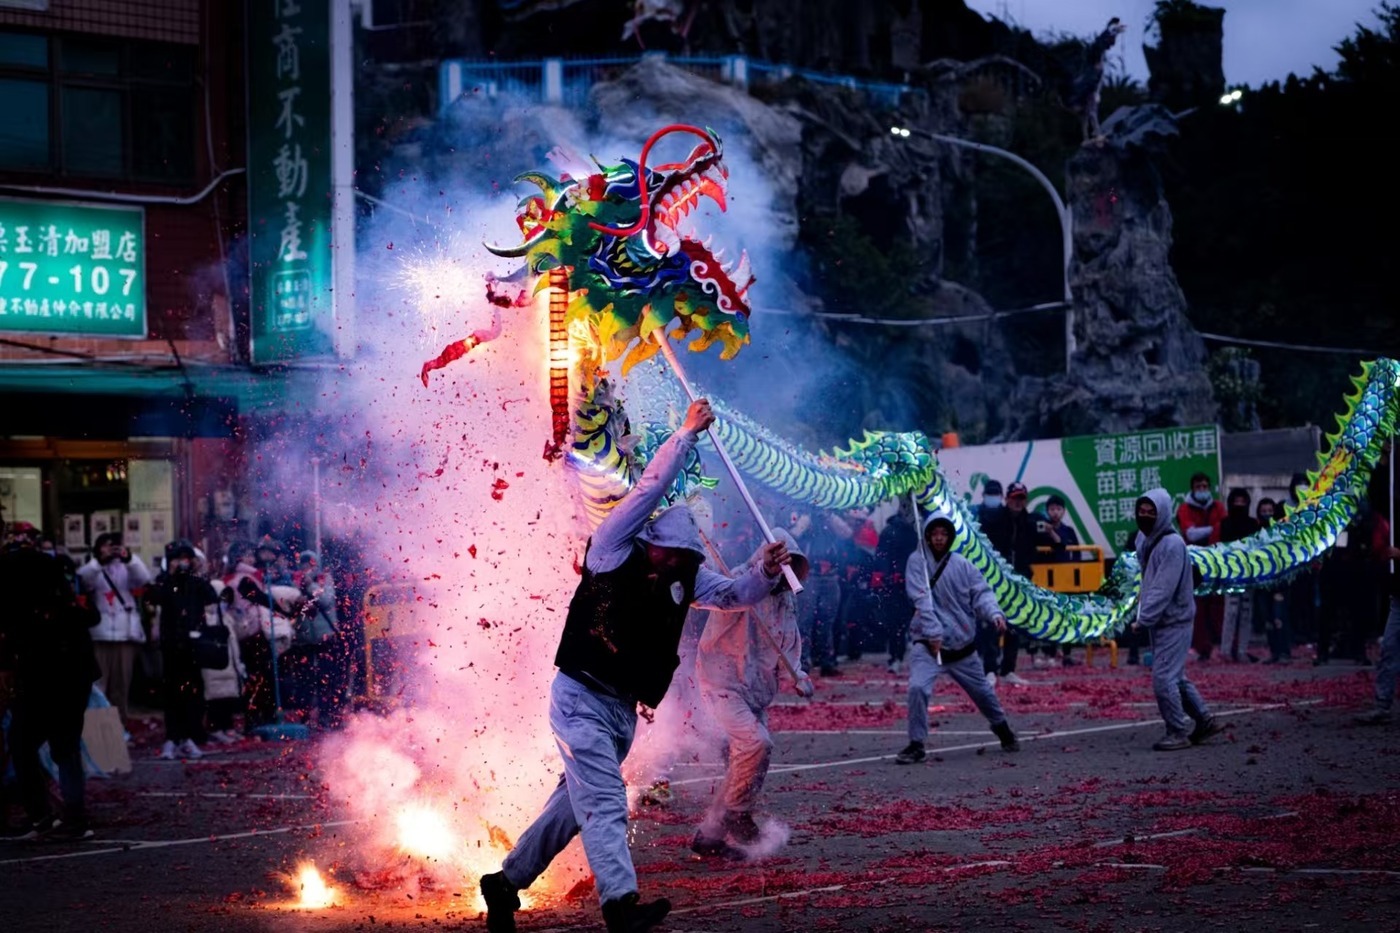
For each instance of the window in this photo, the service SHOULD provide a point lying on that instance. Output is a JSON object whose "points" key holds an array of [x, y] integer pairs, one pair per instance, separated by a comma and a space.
{"points": [[91, 107]]}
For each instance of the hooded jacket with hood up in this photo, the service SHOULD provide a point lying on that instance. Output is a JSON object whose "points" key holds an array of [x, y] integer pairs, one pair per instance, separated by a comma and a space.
{"points": [[1167, 595], [956, 604], [737, 656], [624, 623]]}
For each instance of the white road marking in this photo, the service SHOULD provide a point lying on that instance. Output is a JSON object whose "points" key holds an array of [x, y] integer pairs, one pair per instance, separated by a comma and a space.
{"points": [[943, 750], [109, 846]]}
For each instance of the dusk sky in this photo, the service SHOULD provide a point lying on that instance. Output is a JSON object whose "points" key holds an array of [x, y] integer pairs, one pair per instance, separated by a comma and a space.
{"points": [[1265, 40]]}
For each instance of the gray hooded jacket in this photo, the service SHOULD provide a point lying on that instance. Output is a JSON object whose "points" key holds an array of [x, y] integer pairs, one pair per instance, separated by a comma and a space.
{"points": [[739, 651], [961, 599], [1167, 596], [630, 522]]}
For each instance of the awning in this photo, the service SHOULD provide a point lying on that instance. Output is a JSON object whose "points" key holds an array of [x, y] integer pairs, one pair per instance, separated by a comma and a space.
{"points": [[84, 399]]}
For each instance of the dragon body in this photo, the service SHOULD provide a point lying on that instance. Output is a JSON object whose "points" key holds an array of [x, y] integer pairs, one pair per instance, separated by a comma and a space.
{"points": [[611, 243]]}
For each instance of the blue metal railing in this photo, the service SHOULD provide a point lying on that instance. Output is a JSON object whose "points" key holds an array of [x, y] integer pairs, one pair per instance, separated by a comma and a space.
{"points": [[567, 82]]}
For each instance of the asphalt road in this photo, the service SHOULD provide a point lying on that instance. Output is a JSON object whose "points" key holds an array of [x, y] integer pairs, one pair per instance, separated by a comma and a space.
{"points": [[1288, 821]]}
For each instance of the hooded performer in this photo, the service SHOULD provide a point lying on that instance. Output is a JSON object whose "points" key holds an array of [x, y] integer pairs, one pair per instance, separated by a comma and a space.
{"points": [[950, 598], [740, 653], [1167, 609], [640, 577]]}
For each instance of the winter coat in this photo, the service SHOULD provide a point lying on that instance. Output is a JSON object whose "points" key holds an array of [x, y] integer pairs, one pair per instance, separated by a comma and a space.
{"points": [[1167, 596], [740, 651], [226, 684], [118, 608], [1191, 516], [956, 604]]}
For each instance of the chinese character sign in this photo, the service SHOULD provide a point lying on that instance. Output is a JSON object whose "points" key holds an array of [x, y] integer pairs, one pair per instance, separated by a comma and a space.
{"points": [[72, 269], [289, 178], [1113, 471]]}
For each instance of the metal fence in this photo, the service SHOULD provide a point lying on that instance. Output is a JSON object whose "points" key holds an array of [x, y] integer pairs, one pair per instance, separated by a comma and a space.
{"points": [[567, 82]]}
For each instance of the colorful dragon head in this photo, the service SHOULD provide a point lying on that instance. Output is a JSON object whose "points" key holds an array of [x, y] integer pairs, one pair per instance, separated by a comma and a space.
{"points": [[634, 264]]}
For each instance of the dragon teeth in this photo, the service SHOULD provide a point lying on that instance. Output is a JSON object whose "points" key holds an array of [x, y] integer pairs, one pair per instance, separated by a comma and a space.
{"points": [[742, 274]]}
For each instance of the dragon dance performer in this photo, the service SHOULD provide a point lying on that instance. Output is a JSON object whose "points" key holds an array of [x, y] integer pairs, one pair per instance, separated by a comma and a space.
{"points": [[950, 598], [737, 667], [640, 577], [1167, 609]]}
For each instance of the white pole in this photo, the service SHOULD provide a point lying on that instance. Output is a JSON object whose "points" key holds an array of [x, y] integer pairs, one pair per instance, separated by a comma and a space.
{"points": [[1392, 500], [316, 506], [344, 336], [670, 354]]}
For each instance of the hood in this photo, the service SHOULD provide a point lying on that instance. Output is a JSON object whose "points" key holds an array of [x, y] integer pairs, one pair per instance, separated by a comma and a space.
{"points": [[1163, 501], [674, 527], [800, 564], [937, 518]]}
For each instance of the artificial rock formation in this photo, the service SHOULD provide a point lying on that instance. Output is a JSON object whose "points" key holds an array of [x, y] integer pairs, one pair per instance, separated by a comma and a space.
{"points": [[1139, 363]]}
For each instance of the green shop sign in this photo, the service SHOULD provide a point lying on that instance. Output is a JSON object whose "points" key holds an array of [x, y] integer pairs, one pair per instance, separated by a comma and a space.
{"points": [[289, 178], [72, 269]]}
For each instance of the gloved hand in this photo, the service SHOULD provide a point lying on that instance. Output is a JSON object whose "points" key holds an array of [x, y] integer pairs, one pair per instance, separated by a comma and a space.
{"points": [[803, 686]]}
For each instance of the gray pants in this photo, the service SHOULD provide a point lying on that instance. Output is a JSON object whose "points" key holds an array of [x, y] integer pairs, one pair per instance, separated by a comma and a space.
{"points": [[1389, 664], [594, 733], [967, 673], [750, 751], [817, 609], [1178, 700], [1238, 626]]}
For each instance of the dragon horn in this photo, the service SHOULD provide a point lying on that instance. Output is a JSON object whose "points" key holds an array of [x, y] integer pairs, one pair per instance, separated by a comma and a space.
{"points": [[510, 252], [548, 185]]}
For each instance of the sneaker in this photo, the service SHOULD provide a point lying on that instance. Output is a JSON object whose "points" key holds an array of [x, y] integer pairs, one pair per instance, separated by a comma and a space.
{"points": [[1068, 661], [1040, 661], [28, 832], [830, 670], [167, 751], [1009, 742], [75, 831], [1172, 743], [224, 737], [501, 902], [714, 848], [991, 678], [1015, 679], [190, 750], [1205, 730], [893, 667], [913, 753], [742, 827], [1374, 717], [627, 914]]}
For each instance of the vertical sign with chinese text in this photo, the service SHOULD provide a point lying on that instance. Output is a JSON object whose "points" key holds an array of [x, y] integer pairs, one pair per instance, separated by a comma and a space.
{"points": [[1114, 470], [289, 179], [72, 269]]}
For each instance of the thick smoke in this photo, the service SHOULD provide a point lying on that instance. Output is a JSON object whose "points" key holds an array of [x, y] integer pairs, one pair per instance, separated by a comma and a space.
{"points": [[447, 489]]}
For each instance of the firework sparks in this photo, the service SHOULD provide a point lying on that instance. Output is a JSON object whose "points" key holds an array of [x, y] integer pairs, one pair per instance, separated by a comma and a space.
{"points": [[312, 890], [425, 834]]}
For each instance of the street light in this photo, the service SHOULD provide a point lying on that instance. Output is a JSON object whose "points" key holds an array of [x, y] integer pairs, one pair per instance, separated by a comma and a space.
{"points": [[1066, 218]]}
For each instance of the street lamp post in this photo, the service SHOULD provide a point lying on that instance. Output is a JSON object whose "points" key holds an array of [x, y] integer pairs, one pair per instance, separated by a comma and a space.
{"points": [[1061, 209]]}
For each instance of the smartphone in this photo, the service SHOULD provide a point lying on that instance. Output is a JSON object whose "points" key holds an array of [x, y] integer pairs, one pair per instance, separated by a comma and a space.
{"points": [[1042, 527]]}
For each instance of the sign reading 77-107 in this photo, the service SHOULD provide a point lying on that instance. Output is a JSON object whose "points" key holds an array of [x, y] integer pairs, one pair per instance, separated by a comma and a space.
{"points": [[72, 269]]}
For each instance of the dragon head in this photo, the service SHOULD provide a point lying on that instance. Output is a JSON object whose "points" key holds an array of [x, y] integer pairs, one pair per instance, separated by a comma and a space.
{"points": [[634, 262]]}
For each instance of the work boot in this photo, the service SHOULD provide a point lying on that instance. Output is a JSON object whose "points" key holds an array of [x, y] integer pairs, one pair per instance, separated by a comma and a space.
{"points": [[501, 902], [714, 848], [742, 827], [1009, 743], [1205, 730], [1172, 742], [627, 914], [913, 754]]}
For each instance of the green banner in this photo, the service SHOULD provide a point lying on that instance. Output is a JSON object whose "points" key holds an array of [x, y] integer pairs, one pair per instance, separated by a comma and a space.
{"points": [[1112, 471], [72, 269], [289, 178]]}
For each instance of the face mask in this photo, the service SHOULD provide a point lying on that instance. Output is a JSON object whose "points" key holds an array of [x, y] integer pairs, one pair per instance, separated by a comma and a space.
{"points": [[1239, 511], [1202, 496], [1146, 523], [1266, 519], [991, 502]]}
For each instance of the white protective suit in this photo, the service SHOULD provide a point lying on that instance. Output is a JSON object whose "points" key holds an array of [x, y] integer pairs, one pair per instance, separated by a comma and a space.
{"points": [[737, 666]]}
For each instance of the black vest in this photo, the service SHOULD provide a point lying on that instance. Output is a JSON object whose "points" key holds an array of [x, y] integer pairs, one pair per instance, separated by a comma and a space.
{"points": [[623, 630]]}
